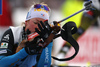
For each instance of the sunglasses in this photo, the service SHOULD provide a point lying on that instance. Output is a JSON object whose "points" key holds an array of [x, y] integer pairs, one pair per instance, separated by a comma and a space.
{"points": [[41, 6]]}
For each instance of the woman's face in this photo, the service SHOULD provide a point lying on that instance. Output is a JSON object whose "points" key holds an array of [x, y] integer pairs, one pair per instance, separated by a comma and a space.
{"points": [[32, 24]]}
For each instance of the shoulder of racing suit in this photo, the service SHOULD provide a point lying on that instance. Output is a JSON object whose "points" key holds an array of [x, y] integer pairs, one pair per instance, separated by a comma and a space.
{"points": [[10, 40]]}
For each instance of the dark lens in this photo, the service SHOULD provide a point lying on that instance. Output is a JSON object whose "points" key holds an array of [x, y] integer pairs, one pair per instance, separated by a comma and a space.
{"points": [[46, 8], [37, 6], [41, 6]]}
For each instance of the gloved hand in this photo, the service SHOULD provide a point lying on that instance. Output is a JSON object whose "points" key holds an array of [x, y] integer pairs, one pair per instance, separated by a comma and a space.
{"points": [[33, 47], [56, 27], [45, 30]]}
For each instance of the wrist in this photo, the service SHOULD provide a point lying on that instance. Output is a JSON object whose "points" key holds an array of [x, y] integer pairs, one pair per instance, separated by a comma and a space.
{"points": [[26, 50], [23, 52]]}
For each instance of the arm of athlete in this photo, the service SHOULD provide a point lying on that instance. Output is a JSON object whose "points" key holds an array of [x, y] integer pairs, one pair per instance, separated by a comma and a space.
{"points": [[7, 56]]}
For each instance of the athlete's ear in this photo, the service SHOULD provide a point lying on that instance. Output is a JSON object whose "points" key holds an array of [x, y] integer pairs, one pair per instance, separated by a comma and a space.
{"points": [[26, 22]]}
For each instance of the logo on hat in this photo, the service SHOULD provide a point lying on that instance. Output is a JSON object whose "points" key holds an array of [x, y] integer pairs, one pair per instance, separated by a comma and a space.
{"points": [[43, 14]]}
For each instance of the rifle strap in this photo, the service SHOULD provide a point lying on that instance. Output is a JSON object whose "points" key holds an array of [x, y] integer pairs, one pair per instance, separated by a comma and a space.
{"points": [[71, 40]]}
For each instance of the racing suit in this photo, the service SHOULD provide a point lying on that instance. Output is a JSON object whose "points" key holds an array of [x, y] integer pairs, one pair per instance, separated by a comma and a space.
{"points": [[8, 58]]}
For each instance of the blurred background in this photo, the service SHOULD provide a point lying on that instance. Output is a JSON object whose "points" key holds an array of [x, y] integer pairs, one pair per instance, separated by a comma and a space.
{"points": [[88, 23]]}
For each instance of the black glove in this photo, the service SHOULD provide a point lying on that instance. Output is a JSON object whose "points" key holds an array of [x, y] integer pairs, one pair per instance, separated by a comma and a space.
{"points": [[68, 29], [32, 47], [45, 30]]}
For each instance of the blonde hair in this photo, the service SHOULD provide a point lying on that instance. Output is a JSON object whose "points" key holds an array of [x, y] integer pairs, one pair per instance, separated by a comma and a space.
{"points": [[23, 24]]}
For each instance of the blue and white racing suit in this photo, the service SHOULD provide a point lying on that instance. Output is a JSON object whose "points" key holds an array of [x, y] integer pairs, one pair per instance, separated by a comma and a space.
{"points": [[8, 58]]}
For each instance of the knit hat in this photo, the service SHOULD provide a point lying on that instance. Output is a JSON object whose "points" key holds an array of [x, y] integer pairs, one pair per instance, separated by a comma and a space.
{"points": [[37, 13]]}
